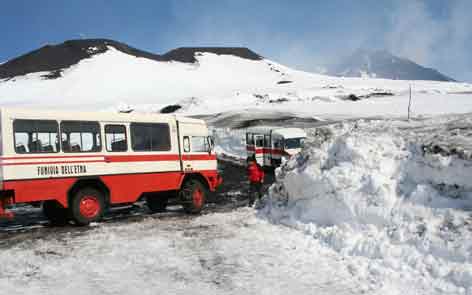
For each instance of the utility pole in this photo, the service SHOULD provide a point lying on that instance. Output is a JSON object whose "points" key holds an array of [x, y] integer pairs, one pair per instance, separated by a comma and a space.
{"points": [[409, 105]]}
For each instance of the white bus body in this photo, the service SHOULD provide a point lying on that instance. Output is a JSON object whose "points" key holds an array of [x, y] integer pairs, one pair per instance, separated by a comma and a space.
{"points": [[55, 157]]}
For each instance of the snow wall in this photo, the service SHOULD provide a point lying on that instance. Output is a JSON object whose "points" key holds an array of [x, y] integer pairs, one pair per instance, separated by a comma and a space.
{"points": [[374, 195]]}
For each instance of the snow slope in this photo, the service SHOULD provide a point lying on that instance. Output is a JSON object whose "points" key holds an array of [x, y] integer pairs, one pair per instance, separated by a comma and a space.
{"points": [[394, 198], [221, 83]]}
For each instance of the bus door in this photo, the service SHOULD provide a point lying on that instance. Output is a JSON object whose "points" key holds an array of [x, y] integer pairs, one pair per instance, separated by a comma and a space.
{"points": [[250, 148], [259, 148], [267, 150], [197, 152]]}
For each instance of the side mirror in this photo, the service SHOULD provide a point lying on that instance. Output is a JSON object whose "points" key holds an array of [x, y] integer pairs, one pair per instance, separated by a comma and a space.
{"points": [[211, 144]]}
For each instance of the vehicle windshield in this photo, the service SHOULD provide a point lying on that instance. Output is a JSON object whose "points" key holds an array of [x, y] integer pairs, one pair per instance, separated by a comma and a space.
{"points": [[294, 143]]}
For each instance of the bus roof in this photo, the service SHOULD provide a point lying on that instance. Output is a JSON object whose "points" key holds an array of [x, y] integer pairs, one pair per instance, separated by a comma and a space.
{"points": [[108, 116], [281, 131]]}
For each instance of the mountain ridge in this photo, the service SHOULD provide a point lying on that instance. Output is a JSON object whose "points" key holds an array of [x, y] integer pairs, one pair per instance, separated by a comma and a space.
{"points": [[55, 58], [383, 64]]}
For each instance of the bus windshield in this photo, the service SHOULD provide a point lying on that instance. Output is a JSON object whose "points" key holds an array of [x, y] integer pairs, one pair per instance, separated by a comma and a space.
{"points": [[294, 143]]}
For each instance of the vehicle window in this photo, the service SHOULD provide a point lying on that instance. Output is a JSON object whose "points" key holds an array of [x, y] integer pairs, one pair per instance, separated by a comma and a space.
{"points": [[35, 136], [115, 138], [249, 138], [278, 143], [150, 137], [294, 143], [80, 136], [267, 141], [186, 144], [199, 144], [259, 141]]}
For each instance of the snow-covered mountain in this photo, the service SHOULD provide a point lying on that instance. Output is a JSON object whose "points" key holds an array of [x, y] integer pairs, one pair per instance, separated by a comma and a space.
{"points": [[383, 64], [56, 58], [105, 74]]}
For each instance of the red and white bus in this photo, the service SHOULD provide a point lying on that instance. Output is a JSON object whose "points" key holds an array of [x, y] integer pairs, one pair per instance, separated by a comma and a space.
{"points": [[271, 144], [77, 164]]}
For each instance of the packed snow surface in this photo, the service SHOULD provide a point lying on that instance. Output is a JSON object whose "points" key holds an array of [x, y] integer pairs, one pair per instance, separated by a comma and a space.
{"points": [[394, 198], [221, 253]]}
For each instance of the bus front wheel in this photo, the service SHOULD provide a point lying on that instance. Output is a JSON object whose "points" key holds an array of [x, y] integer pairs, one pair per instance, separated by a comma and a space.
{"points": [[193, 196], [87, 205]]}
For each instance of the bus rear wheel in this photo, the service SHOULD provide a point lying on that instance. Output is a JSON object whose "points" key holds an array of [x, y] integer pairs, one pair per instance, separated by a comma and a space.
{"points": [[55, 213], [193, 196], [87, 205]]}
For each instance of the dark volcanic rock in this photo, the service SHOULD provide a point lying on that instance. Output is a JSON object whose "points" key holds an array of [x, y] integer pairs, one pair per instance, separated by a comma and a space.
{"points": [[352, 97], [170, 109], [284, 82], [187, 54], [55, 58]]}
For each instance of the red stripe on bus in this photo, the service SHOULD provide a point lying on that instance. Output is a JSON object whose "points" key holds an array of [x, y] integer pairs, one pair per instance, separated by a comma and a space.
{"points": [[265, 150]]}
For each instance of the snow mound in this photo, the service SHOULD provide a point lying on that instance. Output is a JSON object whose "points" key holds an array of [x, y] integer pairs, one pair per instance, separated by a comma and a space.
{"points": [[372, 192]]}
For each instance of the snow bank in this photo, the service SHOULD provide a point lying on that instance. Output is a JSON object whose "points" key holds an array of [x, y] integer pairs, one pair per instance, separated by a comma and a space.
{"points": [[371, 192]]}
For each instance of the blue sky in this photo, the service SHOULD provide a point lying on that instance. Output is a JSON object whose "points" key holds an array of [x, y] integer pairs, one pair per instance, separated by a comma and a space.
{"points": [[303, 34]]}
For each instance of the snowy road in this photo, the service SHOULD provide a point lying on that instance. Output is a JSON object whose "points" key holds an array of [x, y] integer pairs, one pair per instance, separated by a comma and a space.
{"points": [[230, 253], [229, 250]]}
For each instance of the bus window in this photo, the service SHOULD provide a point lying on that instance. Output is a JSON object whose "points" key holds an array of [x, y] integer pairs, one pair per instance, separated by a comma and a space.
{"points": [[115, 138], [150, 137], [294, 143], [186, 144], [200, 144], [278, 143], [249, 139], [267, 141], [35, 136], [260, 141], [80, 136]]}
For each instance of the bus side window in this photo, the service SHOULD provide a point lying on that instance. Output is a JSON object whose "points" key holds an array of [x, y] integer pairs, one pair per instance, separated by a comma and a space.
{"points": [[80, 136], [146, 137], [186, 144], [35, 136], [115, 138]]}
